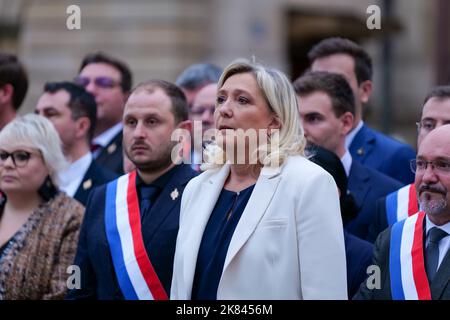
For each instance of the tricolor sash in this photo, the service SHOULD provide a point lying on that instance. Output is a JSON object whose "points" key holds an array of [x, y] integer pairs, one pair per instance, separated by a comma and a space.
{"points": [[401, 204], [135, 274], [406, 260]]}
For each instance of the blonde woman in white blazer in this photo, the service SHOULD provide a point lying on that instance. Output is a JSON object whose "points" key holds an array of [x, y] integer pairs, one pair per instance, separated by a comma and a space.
{"points": [[282, 237]]}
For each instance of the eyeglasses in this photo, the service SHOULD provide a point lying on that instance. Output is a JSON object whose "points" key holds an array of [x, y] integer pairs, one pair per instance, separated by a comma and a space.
{"points": [[101, 82], [19, 158], [439, 166], [426, 125]]}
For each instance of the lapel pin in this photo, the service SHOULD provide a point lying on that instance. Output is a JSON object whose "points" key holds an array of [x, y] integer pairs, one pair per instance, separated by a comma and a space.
{"points": [[174, 194], [87, 184], [360, 151], [112, 148]]}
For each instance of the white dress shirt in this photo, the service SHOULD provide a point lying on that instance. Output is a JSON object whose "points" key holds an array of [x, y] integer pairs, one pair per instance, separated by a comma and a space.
{"points": [[351, 135], [444, 244], [347, 162], [105, 137], [71, 178]]}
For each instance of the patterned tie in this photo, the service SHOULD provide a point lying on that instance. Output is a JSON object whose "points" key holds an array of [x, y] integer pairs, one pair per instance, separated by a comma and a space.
{"points": [[147, 193], [432, 252]]}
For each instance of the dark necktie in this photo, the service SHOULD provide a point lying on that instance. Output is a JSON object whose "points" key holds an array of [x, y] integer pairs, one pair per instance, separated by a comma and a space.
{"points": [[147, 194], [432, 252]]}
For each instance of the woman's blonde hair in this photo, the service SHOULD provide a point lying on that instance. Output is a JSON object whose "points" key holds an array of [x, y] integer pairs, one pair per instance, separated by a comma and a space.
{"points": [[36, 132], [282, 102]]}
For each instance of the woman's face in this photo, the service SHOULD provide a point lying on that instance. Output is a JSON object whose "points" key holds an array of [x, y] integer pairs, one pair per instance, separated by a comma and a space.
{"points": [[241, 105], [22, 169]]}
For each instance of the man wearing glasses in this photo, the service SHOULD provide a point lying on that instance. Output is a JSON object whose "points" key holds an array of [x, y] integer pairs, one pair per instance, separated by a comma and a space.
{"points": [[110, 81], [403, 203], [412, 255]]}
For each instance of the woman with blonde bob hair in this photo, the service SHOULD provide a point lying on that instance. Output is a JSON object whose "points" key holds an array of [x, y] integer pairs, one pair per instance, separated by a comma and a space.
{"points": [[267, 229], [39, 225]]}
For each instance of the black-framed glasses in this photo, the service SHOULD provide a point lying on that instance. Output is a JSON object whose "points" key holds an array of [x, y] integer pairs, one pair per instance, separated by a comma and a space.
{"points": [[101, 82], [439, 166], [19, 158]]}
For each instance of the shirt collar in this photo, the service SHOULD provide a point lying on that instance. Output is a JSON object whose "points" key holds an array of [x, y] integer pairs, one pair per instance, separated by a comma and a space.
{"points": [[351, 135], [76, 169], [429, 225], [347, 162], [105, 137]]}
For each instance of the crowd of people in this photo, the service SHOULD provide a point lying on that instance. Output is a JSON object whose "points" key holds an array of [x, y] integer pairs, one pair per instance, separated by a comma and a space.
{"points": [[289, 194]]}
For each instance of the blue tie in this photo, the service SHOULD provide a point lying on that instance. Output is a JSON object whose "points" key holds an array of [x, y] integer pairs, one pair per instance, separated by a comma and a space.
{"points": [[147, 193], [432, 252]]}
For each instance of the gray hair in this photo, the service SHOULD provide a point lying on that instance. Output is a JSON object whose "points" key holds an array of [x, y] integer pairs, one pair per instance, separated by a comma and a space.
{"points": [[198, 75], [36, 132], [282, 102]]}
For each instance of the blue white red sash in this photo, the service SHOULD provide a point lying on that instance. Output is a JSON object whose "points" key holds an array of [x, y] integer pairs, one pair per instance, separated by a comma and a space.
{"points": [[135, 273], [401, 204], [406, 260]]}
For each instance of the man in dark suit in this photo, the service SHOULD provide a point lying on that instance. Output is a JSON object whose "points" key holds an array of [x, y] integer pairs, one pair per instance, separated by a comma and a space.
{"points": [[358, 252], [326, 106], [72, 110], [153, 111], [423, 238], [403, 203], [366, 145], [109, 80]]}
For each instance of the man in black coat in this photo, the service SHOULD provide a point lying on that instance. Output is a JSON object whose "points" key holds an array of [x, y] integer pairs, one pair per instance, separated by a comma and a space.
{"points": [[111, 266]]}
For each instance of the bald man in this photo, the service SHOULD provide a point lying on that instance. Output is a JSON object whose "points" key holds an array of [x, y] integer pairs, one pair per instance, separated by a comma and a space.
{"points": [[422, 270]]}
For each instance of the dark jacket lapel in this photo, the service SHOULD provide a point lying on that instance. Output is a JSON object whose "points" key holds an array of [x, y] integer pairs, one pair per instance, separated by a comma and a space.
{"points": [[358, 182], [362, 144], [441, 279], [169, 197]]}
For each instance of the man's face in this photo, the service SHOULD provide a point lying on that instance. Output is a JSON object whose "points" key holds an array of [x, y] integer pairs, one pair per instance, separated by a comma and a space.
{"points": [[103, 82], [204, 106], [148, 126], [435, 113], [320, 123], [54, 106], [344, 65], [432, 184]]}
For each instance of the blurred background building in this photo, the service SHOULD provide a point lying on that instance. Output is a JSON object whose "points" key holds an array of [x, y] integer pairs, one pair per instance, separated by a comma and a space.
{"points": [[159, 38]]}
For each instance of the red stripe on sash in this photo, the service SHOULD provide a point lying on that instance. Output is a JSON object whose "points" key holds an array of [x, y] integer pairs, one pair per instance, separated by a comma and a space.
{"points": [[413, 205], [419, 274], [150, 276]]}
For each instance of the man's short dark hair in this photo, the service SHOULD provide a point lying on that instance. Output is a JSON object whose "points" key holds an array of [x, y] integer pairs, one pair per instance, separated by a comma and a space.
{"points": [[336, 45], [81, 103], [99, 57], [12, 72], [440, 92], [334, 85], [199, 75], [176, 95]]}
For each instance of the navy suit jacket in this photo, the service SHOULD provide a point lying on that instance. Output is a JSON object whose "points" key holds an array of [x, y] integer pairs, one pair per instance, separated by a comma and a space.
{"points": [[358, 253], [367, 186], [439, 287], [384, 154], [95, 176], [380, 221], [159, 231], [111, 156]]}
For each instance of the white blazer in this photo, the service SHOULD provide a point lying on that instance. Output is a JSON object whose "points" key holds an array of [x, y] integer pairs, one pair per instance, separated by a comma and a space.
{"points": [[288, 244]]}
